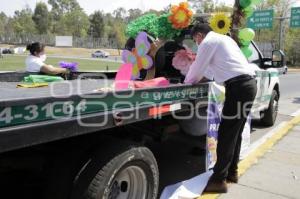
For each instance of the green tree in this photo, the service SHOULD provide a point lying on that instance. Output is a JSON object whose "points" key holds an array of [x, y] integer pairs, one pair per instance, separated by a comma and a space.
{"points": [[134, 14], [41, 18], [3, 22], [108, 21], [151, 11], [69, 18], [195, 5], [97, 24], [120, 13], [281, 9], [223, 8], [61, 7], [75, 23], [208, 6], [22, 21], [118, 34], [292, 46]]}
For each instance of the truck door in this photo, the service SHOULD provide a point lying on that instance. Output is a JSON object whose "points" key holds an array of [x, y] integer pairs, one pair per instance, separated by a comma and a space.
{"points": [[255, 58]]}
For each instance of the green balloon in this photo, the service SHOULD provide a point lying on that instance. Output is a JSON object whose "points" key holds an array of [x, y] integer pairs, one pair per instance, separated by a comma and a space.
{"points": [[245, 43], [256, 1], [246, 34], [249, 11], [246, 51], [245, 3]]}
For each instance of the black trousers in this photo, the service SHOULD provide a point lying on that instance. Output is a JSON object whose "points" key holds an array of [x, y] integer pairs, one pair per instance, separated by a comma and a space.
{"points": [[239, 97]]}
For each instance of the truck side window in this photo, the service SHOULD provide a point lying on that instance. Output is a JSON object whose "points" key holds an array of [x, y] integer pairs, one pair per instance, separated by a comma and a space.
{"points": [[254, 58]]}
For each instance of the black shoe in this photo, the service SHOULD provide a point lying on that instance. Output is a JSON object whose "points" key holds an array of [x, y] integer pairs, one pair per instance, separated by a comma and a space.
{"points": [[233, 177], [214, 186]]}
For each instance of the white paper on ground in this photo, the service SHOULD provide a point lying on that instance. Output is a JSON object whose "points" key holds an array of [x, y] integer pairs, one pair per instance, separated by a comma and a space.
{"points": [[246, 138], [188, 189]]}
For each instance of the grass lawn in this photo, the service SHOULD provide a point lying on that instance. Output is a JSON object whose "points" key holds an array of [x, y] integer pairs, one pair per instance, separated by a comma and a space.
{"points": [[17, 62]]}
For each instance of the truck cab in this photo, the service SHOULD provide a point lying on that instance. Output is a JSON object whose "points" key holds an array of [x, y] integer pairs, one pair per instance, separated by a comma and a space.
{"points": [[267, 76]]}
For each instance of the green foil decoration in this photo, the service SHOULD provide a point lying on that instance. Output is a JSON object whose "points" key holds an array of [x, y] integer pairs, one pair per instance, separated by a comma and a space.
{"points": [[146, 23], [165, 29], [157, 26]]}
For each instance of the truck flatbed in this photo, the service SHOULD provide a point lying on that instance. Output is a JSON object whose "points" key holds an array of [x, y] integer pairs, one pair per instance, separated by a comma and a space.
{"points": [[10, 92], [72, 108]]}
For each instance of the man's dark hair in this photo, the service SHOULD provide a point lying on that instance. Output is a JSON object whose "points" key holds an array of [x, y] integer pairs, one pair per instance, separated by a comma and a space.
{"points": [[35, 47], [203, 28]]}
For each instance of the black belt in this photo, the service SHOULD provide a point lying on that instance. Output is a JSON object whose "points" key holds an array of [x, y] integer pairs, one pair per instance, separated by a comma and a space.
{"points": [[238, 78]]}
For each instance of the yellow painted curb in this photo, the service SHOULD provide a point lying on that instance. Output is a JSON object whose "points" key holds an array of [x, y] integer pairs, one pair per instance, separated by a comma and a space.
{"points": [[253, 157]]}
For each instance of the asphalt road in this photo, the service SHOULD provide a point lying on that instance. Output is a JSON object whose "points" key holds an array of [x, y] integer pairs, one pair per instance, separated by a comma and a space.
{"points": [[290, 93], [289, 103], [109, 59]]}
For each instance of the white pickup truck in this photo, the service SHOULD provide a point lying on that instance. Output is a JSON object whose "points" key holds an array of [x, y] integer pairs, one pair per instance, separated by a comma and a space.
{"points": [[268, 93], [267, 75]]}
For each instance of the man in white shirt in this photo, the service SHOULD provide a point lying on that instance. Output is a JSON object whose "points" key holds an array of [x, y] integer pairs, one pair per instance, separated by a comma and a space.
{"points": [[220, 57]]}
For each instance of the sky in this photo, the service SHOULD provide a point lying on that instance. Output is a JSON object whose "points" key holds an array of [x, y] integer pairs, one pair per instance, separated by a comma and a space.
{"points": [[9, 6]]}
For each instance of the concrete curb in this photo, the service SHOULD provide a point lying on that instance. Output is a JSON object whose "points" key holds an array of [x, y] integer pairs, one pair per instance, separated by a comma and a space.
{"points": [[253, 157]]}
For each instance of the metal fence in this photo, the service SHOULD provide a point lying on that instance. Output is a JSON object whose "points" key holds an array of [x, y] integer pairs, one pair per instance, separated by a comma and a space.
{"points": [[94, 43], [23, 39]]}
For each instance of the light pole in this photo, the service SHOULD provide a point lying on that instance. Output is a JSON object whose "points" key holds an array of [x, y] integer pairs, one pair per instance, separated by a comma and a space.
{"points": [[92, 36], [281, 31]]}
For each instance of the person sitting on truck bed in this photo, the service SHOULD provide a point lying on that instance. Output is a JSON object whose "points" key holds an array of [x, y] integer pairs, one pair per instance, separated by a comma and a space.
{"points": [[222, 57], [35, 62]]}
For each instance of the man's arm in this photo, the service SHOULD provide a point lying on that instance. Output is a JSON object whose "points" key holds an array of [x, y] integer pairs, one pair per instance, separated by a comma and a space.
{"points": [[197, 69]]}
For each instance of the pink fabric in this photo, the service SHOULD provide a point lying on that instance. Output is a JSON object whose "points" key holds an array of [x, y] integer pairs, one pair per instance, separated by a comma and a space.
{"points": [[123, 77], [157, 82], [183, 59]]}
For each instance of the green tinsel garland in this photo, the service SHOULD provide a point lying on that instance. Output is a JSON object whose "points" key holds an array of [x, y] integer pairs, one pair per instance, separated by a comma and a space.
{"points": [[165, 29], [158, 26], [147, 22]]}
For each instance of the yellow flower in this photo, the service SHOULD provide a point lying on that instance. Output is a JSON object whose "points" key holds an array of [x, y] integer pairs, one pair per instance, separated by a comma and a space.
{"points": [[181, 16], [220, 23]]}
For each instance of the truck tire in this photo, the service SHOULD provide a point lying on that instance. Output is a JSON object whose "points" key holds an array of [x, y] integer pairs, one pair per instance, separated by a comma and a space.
{"points": [[129, 173], [268, 116]]}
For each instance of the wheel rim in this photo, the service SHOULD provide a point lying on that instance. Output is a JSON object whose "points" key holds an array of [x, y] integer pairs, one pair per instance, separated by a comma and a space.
{"points": [[128, 184]]}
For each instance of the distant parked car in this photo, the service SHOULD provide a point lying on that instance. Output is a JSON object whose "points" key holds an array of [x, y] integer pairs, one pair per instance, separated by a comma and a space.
{"points": [[7, 51], [100, 53]]}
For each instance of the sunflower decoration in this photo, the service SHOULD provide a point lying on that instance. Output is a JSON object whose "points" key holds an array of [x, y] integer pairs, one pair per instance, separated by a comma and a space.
{"points": [[181, 15], [220, 23]]}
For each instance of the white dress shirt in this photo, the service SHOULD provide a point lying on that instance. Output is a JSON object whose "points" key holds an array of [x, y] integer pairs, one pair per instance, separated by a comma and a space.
{"points": [[220, 57]]}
